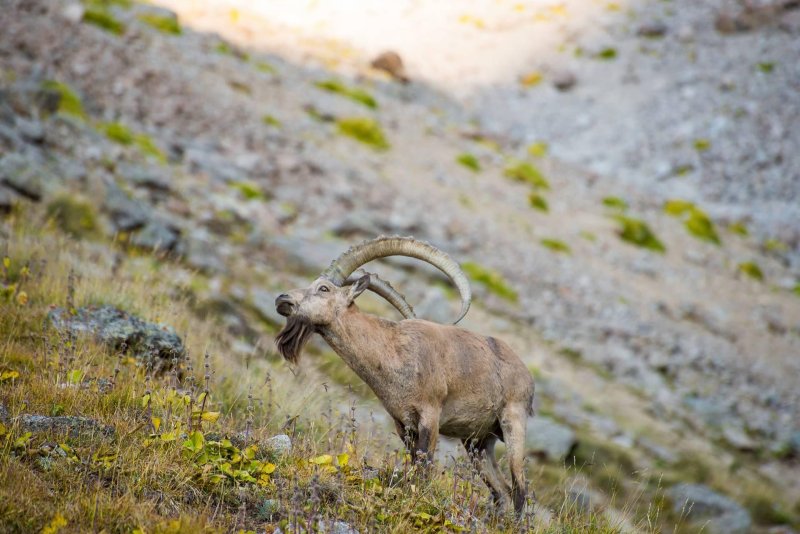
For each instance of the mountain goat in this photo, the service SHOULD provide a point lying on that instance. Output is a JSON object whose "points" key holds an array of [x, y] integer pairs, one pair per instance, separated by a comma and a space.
{"points": [[432, 379]]}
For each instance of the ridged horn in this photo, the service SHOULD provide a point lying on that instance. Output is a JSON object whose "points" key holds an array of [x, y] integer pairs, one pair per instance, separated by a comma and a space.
{"points": [[385, 290], [383, 246]]}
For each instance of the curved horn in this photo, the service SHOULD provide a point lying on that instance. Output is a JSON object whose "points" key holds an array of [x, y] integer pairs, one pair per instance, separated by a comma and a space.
{"points": [[385, 290], [384, 246]]}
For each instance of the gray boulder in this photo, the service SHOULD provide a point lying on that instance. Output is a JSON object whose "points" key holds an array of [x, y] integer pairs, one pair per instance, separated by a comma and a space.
{"points": [[23, 176], [156, 344], [64, 424], [547, 438], [323, 527], [157, 235], [706, 508], [126, 213]]}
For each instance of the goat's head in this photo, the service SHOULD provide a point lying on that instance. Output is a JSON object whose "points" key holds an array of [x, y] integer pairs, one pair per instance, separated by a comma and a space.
{"points": [[335, 290]]}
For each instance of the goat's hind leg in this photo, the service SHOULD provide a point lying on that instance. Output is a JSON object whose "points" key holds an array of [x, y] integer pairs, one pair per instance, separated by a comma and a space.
{"points": [[481, 453], [513, 422]]}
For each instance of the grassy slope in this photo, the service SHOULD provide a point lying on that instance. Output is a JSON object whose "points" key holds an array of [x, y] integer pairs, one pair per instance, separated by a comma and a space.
{"points": [[143, 478]]}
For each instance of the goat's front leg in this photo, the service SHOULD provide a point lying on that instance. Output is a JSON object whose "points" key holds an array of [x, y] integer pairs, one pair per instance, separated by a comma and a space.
{"points": [[427, 435]]}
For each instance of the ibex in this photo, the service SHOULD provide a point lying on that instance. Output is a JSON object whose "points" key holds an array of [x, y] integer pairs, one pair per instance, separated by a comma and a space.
{"points": [[432, 379]]}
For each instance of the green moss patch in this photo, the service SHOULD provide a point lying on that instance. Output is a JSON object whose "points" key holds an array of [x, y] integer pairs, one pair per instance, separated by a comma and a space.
{"points": [[355, 94], [73, 215], [606, 54], [739, 228], [697, 222], [363, 130], [491, 280], [469, 161], [538, 202], [701, 145], [751, 269], [538, 149], [615, 203], [249, 190], [271, 120], [102, 18], [523, 171], [168, 25], [556, 246], [637, 232], [70, 103], [121, 134]]}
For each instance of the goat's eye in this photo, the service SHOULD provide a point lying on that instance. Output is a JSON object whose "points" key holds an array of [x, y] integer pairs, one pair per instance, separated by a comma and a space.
{"points": [[324, 289]]}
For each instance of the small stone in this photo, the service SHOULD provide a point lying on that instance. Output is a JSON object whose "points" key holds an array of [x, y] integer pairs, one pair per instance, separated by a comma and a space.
{"points": [[736, 436], [267, 509], [73, 12], [564, 80], [156, 236], [32, 130], [21, 175], [652, 30], [703, 506], [280, 445], [126, 213], [391, 63], [4, 417], [545, 437], [7, 198]]}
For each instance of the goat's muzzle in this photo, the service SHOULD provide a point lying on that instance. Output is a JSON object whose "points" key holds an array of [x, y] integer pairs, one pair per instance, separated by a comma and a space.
{"points": [[284, 305]]}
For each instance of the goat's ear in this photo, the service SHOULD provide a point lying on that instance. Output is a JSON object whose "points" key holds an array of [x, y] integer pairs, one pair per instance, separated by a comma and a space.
{"points": [[358, 287]]}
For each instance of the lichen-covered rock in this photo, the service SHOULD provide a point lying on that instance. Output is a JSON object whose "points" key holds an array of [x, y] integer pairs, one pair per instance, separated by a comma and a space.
{"points": [[4, 418], [64, 424], [279, 445], [155, 344], [703, 506]]}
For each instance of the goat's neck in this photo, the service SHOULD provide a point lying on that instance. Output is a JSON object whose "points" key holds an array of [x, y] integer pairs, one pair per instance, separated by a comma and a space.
{"points": [[363, 341]]}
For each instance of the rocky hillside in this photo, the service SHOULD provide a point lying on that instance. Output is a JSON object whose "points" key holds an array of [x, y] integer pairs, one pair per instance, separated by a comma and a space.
{"points": [[186, 178]]}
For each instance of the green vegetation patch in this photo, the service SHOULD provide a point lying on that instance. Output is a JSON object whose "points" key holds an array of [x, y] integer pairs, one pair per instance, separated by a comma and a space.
{"points": [[70, 103], [538, 202], [615, 203], [676, 207], [538, 149], [102, 18], [766, 66], [701, 145], [119, 133], [249, 190], [364, 130], [491, 280], [168, 25], [74, 215], [697, 222], [355, 94], [469, 161], [751, 269], [637, 232], [523, 171], [700, 226], [556, 246], [607, 54], [739, 228], [271, 120]]}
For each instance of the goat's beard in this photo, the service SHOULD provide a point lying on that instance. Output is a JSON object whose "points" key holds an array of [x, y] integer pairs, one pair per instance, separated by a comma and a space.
{"points": [[293, 337]]}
